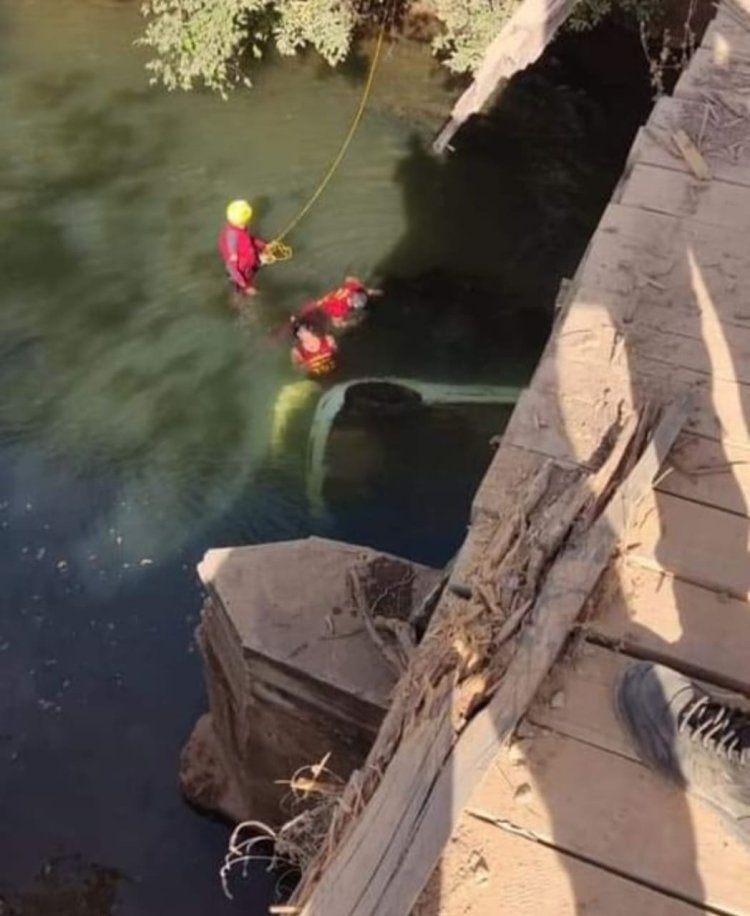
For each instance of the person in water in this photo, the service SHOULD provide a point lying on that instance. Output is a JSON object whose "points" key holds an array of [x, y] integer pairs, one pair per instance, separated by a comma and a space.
{"points": [[313, 353], [240, 250], [343, 306]]}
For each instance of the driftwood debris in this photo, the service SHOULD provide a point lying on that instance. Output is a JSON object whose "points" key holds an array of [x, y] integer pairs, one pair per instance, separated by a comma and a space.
{"points": [[475, 673]]}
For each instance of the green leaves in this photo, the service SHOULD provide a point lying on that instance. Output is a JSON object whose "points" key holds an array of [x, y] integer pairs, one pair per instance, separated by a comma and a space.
{"points": [[325, 25], [197, 41], [468, 28], [589, 13], [201, 42]]}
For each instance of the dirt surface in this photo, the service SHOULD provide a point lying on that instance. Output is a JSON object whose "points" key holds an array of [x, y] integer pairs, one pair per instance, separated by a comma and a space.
{"points": [[468, 879]]}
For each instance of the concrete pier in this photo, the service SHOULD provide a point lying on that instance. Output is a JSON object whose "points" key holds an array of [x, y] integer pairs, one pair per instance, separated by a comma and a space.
{"points": [[292, 672]]}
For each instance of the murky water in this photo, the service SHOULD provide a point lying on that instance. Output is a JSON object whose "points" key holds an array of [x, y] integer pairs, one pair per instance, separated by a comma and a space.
{"points": [[136, 409]]}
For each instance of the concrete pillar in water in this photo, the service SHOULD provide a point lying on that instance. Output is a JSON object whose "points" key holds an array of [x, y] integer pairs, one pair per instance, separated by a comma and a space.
{"points": [[291, 670]]}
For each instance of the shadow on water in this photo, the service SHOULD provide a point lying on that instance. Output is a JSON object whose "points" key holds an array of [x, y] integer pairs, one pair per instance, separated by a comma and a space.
{"points": [[492, 228], [468, 291]]}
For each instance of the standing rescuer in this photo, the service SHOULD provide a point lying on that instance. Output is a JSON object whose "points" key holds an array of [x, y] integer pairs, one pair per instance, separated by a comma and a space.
{"points": [[239, 248]]}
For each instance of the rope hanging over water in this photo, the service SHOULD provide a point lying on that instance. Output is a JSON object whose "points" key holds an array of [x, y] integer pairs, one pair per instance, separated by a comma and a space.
{"points": [[278, 250]]}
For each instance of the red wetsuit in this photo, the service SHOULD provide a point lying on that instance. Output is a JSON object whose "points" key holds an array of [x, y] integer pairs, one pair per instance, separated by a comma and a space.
{"points": [[239, 251], [317, 362], [337, 304]]}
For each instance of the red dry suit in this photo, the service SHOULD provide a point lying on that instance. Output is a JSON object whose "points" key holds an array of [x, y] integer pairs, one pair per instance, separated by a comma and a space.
{"points": [[340, 302], [240, 252]]}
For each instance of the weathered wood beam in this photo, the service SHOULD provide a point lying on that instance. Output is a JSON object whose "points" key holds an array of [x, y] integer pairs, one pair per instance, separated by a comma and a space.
{"points": [[386, 859], [519, 43]]}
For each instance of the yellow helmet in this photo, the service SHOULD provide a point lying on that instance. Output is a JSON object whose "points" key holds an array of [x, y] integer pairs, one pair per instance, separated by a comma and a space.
{"points": [[239, 213]]}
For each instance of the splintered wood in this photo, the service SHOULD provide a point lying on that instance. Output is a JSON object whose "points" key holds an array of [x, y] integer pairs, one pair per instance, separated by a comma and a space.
{"points": [[477, 669]]}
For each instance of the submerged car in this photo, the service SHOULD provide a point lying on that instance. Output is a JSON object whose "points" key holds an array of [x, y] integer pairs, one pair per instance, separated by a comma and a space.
{"points": [[388, 428]]}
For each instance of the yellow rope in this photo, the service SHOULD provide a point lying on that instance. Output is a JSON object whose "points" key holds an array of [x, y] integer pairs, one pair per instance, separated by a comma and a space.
{"points": [[278, 250]]}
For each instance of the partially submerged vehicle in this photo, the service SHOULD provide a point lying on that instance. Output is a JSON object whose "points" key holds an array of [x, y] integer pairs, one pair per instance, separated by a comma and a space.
{"points": [[348, 426]]}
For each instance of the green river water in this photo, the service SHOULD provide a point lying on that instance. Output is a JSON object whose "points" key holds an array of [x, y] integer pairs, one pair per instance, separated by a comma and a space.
{"points": [[136, 407]]}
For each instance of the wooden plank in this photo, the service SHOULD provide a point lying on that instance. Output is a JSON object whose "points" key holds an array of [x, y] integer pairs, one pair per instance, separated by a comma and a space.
{"points": [[393, 847], [701, 313], [509, 470], [705, 545], [721, 408], [519, 43], [661, 331], [508, 475], [709, 471], [619, 813], [655, 334], [628, 247], [592, 331], [718, 68], [713, 473], [561, 425], [385, 823], [488, 871], [576, 700], [693, 628], [722, 136], [511, 473], [699, 343], [571, 401], [715, 203], [653, 258], [696, 543], [706, 471], [730, 26], [568, 415]]}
